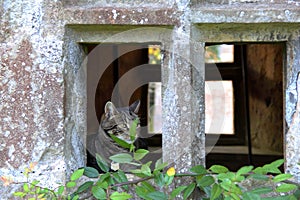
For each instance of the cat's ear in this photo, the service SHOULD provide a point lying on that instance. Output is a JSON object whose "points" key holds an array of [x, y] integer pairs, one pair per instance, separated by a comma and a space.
{"points": [[135, 106], [110, 109]]}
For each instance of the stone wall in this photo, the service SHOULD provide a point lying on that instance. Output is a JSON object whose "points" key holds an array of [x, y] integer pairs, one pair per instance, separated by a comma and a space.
{"points": [[32, 90], [42, 85]]}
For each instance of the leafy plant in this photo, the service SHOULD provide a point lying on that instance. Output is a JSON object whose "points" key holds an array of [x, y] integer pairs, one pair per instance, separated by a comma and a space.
{"points": [[216, 183]]}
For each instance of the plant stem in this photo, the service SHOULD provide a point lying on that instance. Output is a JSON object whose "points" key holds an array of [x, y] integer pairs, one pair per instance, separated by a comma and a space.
{"points": [[132, 182], [183, 175]]}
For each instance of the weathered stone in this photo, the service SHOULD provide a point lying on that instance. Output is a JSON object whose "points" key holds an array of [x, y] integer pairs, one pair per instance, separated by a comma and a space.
{"points": [[43, 73]]}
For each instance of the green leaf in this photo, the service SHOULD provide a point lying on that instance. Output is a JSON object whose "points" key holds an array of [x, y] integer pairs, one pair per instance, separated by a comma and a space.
{"points": [[120, 142], [260, 170], [228, 175], [277, 163], [177, 191], [85, 186], [60, 190], [244, 170], [286, 197], [140, 153], [44, 190], [38, 190], [207, 191], [26, 187], [144, 189], [204, 181], [215, 192], [159, 179], [282, 177], [147, 186], [188, 191], [120, 196], [132, 147], [297, 193], [238, 178], [259, 177], [262, 190], [168, 179], [157, 195], [34, 183], [271, 169], [135, 164], [146, 170], [103, 185], [218, 169], [76, 197], [226, 185], [159, 165], [286, 187], [121, 158], [98, 192], [230, 187], [110, 180], [71, 184], [117, 177], [91, 172], [234, 196], [250, 196], [132, 129], [142, 192], [20, 194], [123, 178], [137, 172], [40, 195], [104, 177], [102, 163], [199, 169], [77, 174]]}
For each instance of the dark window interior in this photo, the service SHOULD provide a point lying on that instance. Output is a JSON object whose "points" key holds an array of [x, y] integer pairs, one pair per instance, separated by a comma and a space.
{"points": [[117, 60], [255, 72], [231, 71]]}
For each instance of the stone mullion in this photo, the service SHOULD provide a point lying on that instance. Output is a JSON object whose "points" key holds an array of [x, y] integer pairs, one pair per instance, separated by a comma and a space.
{"points": [[292, 107]]}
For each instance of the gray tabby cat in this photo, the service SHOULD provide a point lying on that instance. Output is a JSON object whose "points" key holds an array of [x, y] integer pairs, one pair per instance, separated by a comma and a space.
{"points": [[116, 121]]}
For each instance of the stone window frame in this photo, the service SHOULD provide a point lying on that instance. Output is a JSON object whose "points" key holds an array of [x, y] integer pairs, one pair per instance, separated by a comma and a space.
{"points": [[75, 76], [267, 32], [200, 34]]}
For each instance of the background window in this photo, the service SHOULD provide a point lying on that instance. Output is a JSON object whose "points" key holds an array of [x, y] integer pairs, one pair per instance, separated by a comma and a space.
{"points": [[253, 85]]}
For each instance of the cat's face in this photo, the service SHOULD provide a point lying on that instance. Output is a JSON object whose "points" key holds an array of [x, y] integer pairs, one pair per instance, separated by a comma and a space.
{"points": [[117, 121]]}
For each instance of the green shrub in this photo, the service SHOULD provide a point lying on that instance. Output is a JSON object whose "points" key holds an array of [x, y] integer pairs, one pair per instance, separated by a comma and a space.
{"points": [[215, 183]]}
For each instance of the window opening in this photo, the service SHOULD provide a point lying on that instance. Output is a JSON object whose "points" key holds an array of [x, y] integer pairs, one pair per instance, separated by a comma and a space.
{"points": [[225, 92], [223, 53], [219, 99], [155, 108], [118, 61], [256, 75], [154, 54]]}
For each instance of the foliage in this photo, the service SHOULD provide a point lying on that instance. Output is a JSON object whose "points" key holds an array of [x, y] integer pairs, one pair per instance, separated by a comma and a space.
{"points": [[216, 183], [212, 54], [154, 54]]}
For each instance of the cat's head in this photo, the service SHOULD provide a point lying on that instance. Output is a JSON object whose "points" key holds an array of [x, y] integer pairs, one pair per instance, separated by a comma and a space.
{"points": [[117, 121]]}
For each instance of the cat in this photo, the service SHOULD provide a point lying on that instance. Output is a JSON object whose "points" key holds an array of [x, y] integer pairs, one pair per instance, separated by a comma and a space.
{"points": [[116, 121]]}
